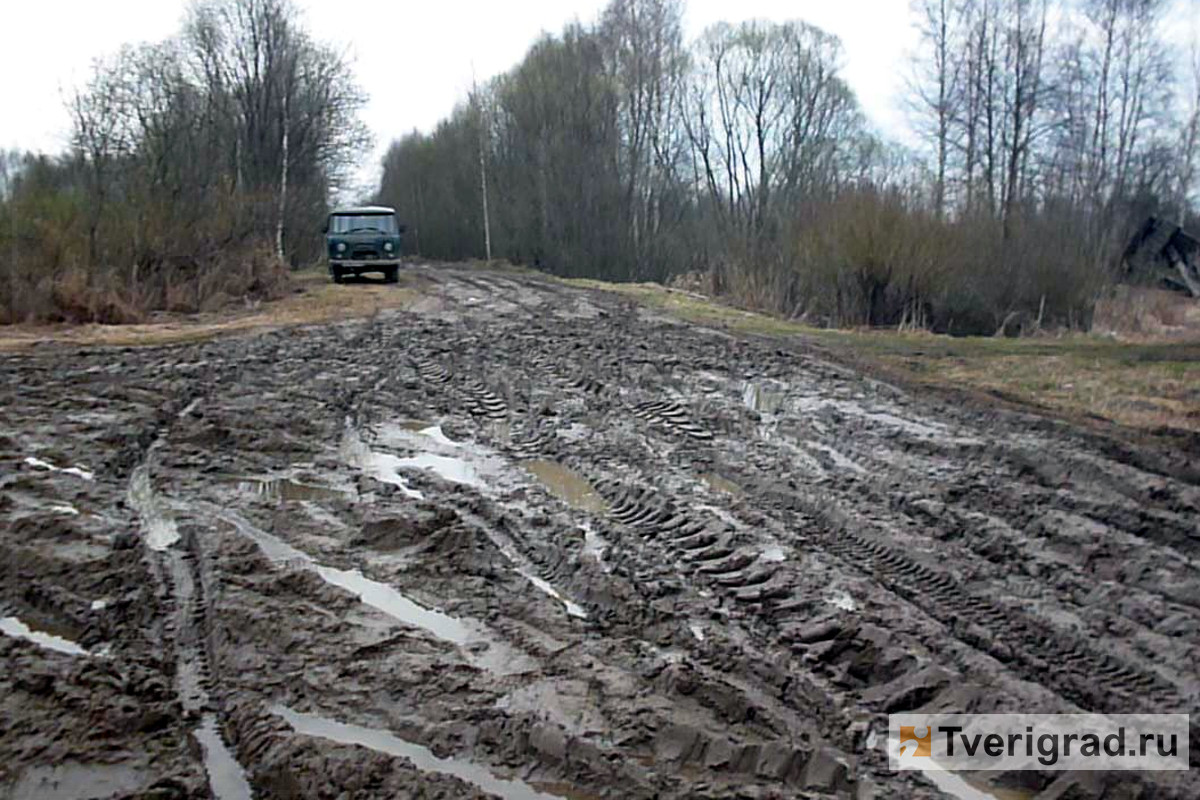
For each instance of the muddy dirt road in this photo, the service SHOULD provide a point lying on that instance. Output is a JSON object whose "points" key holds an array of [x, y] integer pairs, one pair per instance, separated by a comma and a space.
{"points": [[528, 541]]}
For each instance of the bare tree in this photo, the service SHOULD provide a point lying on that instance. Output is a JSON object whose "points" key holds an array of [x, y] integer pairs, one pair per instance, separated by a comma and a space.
{"points": [[1190, 140], [479, 109], [99, 140], [643, 41], [767, 111], [1024, 52], [9, 162], [936, 87], [292, 103], [613, 151]]}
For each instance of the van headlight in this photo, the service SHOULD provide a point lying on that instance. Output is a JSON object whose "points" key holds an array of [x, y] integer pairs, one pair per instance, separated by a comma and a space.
{"points": [[341, 248], [387, 246]]}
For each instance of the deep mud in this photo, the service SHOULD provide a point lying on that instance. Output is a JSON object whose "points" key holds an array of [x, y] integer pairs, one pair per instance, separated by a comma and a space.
{"points": [[530, 541]]}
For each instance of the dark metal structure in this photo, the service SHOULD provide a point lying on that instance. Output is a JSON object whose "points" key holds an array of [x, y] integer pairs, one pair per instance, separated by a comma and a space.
{"points": [[1163, 254]]}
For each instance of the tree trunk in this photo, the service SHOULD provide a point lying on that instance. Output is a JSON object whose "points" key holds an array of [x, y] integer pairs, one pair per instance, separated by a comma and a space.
{"points": [[283, 182], [483, 186]]}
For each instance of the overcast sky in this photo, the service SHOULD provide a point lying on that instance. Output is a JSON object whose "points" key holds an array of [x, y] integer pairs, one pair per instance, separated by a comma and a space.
{"points": [[415, 57]]}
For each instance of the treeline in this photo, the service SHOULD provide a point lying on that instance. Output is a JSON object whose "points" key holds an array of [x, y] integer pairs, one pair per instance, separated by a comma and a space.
{"points": [[198, 166], [618, 150]]}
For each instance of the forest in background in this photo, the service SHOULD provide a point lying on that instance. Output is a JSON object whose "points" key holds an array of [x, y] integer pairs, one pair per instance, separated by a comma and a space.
{"points": [[1049, 129], [200, 167]]}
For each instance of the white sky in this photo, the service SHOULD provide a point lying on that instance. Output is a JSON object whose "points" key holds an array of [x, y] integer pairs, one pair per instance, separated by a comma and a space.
{"points": [[415, 57]]}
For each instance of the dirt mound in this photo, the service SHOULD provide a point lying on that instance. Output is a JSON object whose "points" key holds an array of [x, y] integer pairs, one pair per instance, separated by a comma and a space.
{"points": [[393, 532]]}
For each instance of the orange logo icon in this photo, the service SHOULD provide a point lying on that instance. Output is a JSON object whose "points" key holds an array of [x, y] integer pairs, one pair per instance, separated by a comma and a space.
{"points": [[914, 741]]}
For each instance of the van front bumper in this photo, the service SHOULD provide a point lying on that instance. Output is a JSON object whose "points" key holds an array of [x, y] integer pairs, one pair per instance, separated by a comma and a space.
{"points": [[366, 265]]}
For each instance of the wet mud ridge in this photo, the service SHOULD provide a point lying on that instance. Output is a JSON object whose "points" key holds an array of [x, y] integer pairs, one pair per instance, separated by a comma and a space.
{"points": [[529, 541]]}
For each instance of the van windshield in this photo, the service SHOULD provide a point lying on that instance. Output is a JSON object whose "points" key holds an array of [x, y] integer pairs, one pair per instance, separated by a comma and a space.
{"points": [[349, 223]]}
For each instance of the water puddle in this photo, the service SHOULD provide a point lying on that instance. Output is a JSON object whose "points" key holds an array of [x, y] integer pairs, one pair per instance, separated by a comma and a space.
{"points": [[421, 757], [567, 485], [841, 600], [524, 568], [697, 631], [330, 522], [467, 465], [773, 553], [497, 657], [718, 512], [372, 593], [573, 608], [274, 548], [380, 466], [12, 626], [286, 489], [158, 529], [434, 452], [226, 778], [449, 468], [435, 432], [765, 397], [595, 546], [65, 509], [77, 471], [189, 408], [391, 602]]}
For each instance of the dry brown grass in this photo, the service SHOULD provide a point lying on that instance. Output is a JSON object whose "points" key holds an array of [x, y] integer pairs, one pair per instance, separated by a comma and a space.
{"points": [[1147, 386], [312, 299], [70, 293], [1135, 313]]}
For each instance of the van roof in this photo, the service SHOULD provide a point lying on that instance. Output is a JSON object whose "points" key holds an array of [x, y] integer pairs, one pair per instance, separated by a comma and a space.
{"points": [[362, 210]]}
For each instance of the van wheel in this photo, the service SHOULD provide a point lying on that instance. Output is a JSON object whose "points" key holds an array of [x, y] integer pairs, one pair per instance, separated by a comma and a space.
{"points": [[391, 274], [336, 274]]}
